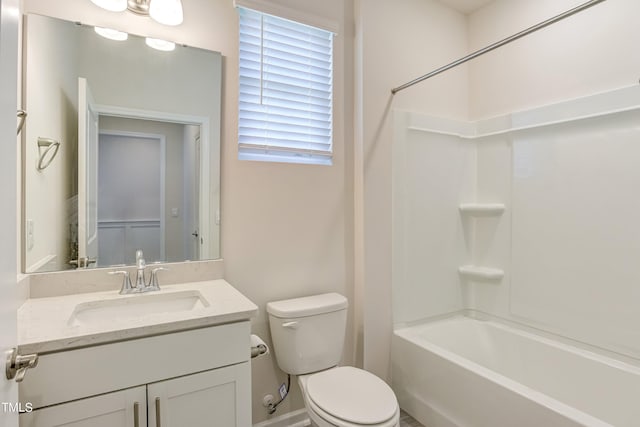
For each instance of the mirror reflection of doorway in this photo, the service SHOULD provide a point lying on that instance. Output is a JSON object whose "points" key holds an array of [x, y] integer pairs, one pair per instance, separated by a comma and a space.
{"points": [[148, 190], [131, 190], [192, 237]]}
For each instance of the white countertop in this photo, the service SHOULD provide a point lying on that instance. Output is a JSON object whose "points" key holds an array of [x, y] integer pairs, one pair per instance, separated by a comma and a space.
{"points": [[44, 323]]}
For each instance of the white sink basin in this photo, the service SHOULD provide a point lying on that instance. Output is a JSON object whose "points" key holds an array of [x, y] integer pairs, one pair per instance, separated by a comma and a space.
{"points": [[136, 306]]}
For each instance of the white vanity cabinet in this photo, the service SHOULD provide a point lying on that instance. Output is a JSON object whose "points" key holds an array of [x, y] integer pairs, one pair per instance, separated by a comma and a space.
{"points": [[126, 408], [198, 377], [211, 398]]}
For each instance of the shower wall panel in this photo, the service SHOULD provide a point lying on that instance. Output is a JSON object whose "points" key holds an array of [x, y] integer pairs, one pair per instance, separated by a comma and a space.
{"points": [[433, 174], [575, 230]]}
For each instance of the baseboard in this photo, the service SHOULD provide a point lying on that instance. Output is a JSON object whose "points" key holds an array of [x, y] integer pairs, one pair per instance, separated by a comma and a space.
{"points": [[297, 418]]}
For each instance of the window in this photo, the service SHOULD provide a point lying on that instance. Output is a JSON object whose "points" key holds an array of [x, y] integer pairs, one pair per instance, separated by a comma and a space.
{"points": [[286, 88]]}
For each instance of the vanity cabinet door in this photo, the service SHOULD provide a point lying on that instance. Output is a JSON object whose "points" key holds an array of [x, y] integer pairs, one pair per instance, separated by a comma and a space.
{"points": [[126, 408], [216, 398]]}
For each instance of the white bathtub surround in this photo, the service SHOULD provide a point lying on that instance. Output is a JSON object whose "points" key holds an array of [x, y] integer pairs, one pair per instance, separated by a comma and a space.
{"points": [[565, 240], [488, 374], [560, 258]]}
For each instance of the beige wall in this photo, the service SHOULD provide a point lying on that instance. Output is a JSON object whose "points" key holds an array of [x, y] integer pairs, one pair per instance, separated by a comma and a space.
{"points": [[396, 42], [286, 229], [587, 53]]}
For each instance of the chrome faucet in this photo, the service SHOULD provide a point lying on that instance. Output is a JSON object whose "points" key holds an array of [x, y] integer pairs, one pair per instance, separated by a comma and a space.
{"points": [[141, 285], [140, 266]]}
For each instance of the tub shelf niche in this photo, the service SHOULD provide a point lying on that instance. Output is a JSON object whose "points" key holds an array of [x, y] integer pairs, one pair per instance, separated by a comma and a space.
{"points": [[482, 209], [481, 273]]}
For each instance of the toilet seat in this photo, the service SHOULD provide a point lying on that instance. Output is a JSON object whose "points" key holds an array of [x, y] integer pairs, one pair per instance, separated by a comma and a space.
{"points": [[323, 419], [347, 396]]}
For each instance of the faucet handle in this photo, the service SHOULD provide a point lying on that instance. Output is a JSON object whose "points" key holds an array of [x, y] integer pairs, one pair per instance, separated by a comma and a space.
{"points": [[126, 281], [153, 282]]}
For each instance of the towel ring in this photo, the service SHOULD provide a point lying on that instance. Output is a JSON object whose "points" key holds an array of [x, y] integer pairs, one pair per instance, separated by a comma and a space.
{"points": [[48, 144], [22, 115]]}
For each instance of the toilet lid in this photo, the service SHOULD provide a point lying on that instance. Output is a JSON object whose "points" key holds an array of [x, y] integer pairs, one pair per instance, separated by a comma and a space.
{"points": [[353, 395]]}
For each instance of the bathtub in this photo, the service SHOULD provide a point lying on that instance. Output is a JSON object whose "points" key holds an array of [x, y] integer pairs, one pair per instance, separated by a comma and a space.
{"points": [[471, 373]]}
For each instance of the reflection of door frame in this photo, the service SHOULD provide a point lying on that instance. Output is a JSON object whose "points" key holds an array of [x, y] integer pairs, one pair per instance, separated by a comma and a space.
{"points": [[206, 247], [163, 171]]}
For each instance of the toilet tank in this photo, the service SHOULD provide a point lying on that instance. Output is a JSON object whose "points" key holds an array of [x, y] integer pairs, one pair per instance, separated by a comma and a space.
{"points": [[308, 333]]}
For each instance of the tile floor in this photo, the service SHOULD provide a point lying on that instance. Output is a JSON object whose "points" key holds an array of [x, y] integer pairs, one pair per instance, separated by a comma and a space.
{"points": [[407, 421]]}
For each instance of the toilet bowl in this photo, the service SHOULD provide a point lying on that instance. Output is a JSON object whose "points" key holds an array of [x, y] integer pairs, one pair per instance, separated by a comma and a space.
{"points": [[348, 397], [308, 339]]}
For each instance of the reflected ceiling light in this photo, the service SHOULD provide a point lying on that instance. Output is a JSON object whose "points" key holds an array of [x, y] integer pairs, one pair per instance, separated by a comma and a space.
{"points": [[167, 12], [160, 44], [111, 34]]}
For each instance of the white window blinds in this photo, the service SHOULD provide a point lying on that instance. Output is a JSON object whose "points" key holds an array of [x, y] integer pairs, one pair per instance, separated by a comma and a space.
{"points": [[286, 87]]}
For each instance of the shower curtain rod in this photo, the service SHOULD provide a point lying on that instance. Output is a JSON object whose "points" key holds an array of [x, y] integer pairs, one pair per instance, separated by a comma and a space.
{"points": [[499, 44]]}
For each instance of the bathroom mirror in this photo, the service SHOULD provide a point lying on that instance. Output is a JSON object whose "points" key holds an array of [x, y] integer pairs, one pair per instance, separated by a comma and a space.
{"points": [[136, 132]]}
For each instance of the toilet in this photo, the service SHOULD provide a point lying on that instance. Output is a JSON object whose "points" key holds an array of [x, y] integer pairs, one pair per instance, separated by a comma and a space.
{"points": [[308, 338]]}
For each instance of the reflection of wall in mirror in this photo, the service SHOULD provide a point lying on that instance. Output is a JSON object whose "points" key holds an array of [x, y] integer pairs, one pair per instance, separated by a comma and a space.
{"points": [[52, 105]]}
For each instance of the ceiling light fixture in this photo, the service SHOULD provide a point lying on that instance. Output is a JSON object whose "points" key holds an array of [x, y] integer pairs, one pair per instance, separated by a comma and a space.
{"points": [[112, 5], [167, 12], [111, 34]]}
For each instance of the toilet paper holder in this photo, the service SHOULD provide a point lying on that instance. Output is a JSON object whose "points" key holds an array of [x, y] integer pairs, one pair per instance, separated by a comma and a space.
{"points": [[258, 346]]}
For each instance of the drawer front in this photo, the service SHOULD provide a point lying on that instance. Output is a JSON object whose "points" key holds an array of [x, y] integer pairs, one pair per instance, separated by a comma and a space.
{"points": [[75, 374]]}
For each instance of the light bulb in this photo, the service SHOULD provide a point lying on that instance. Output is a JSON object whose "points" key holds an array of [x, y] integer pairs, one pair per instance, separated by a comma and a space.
{"points": [[111, 5], [111, 34], [160, 44], [167, 12]]}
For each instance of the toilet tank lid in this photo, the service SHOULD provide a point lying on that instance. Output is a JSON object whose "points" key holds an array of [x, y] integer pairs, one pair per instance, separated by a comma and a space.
{"points": [[307, 306]]}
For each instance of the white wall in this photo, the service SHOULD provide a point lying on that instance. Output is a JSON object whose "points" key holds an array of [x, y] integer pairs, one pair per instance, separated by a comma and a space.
{"points": [[396, 42], [587, 53], [286, 229]]}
